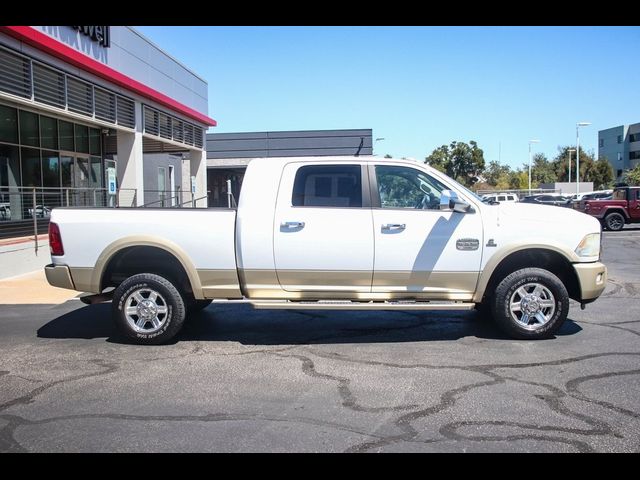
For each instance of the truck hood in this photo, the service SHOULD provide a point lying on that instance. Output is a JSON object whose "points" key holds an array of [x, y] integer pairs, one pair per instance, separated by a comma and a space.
{"points": [[539, 215], [561, 227]]}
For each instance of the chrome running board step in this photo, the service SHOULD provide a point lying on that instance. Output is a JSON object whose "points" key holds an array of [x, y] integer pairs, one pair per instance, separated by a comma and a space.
{"points": [[348, 305]]}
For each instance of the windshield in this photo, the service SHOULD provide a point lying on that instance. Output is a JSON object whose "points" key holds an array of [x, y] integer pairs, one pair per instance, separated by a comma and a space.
{"points": [[466, 190]]}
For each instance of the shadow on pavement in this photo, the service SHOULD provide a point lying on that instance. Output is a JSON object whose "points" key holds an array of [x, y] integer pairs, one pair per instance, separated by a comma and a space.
{"points": [[243, 324]]}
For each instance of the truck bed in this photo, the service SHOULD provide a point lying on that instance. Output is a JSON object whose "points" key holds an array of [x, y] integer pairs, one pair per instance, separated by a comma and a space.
{"points": [[202, 239]]}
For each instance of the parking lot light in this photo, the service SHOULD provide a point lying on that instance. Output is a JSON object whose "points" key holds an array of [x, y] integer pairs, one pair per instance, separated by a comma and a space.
{"points": [[530, 142], [578, 125]]}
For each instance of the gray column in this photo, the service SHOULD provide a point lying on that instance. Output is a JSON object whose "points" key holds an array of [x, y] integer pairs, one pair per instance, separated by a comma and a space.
{"points": [[198, 169], [130, 158]]}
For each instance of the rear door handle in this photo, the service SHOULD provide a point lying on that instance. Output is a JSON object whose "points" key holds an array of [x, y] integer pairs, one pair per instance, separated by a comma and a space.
{"points": [[394, 226], [292, 224]]}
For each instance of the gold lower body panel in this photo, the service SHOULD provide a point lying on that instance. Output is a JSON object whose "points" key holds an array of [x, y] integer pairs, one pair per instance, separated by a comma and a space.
{"points": [[328, 285]]}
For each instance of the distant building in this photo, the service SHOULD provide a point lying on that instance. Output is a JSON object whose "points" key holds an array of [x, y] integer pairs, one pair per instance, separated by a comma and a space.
{"points": [[620, 146], [229, 153]]}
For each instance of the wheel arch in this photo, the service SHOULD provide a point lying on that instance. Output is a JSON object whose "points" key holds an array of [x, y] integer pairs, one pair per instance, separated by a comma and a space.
{"points": [[163, 248], [619, 210], [551, 258]]}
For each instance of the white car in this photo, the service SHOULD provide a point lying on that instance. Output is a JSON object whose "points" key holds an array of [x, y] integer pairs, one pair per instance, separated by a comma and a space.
{"points": [[501, 197], [333, 233]]}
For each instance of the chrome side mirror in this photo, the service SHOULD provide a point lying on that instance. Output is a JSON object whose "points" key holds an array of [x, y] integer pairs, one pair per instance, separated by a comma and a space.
{"points": [[449, 201]]}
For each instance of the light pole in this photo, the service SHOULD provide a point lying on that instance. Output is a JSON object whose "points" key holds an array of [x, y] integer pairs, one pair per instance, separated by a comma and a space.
{"points": [[578, 125], [379, 139], [530, 142], [570, 150]]}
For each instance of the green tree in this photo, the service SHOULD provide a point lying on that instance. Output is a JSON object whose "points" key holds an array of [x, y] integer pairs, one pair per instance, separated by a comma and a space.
{"points": [[601, 174], [388, 156], [495, 173], [632, 176], [462, 161], [542, 171], [519, 179], [439, 159]]}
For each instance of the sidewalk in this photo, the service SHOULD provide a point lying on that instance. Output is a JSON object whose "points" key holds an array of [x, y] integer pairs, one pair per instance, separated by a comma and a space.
{"points": [[17, 255], [32, 288], [22, 279]]}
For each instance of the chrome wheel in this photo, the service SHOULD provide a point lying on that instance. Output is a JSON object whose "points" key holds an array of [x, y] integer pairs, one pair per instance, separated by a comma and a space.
{"points": [[532, 306], [146, 310]]}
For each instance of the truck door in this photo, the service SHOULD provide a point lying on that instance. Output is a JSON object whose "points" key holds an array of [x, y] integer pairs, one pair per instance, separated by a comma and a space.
{"points": [[634, 203], [420, 251], [323, 235]]}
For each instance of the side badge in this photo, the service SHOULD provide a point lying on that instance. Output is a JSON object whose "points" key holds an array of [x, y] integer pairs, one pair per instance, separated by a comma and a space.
{"points": [[467, 244], [491, 243]]}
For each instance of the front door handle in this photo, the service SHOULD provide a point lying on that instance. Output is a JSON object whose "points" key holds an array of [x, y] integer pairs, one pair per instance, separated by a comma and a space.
{"points": [[394, 226], [292, 225]]}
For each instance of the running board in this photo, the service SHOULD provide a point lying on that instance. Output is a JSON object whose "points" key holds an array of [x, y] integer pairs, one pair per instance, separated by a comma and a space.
{"points": [[347, 305]]}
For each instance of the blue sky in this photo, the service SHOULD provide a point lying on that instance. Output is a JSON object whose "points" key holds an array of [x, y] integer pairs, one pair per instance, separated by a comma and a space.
{"points": [[418, 87]]}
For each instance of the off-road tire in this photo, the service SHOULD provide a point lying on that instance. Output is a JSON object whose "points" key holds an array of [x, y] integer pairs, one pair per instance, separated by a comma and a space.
{"points": [[172, 320], [501, 310], [614, 221]]}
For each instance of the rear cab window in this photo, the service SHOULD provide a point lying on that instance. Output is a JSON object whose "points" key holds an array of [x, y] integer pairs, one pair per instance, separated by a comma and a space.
{"points": [[328, 186]]}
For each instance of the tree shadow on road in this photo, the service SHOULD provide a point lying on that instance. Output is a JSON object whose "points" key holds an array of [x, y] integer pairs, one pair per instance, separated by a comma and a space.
{"points": [[241, 323]]}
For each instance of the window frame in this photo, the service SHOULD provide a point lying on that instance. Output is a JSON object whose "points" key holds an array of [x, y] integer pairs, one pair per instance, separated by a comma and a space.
{"points": [[364, 184]]}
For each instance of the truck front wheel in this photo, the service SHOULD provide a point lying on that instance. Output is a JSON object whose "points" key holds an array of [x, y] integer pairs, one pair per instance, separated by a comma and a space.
{"points": [[148, 309], [530, 304]]}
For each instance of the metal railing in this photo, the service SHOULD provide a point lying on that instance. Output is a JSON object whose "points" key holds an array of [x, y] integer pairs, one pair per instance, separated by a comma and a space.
{"points": [[520, 192], [25, 211]]}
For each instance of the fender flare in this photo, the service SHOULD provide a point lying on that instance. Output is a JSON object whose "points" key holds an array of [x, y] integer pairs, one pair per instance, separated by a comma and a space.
{"points": [[145, 241]]}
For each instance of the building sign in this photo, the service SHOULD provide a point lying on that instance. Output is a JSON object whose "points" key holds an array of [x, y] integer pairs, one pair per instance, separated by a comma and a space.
{"points": [[111, 180], [101, 35]]}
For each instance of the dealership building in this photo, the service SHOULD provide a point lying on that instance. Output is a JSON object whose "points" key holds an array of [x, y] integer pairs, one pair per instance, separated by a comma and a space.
{"points": [[88, 111], [228, 154]]}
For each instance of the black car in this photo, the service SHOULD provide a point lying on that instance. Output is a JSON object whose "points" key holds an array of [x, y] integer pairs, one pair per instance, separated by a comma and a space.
{"points": [[543, 199]]}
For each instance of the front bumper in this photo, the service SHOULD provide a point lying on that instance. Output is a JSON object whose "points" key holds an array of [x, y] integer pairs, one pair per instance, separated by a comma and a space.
{"points": [[59, 276], [592, 278]]}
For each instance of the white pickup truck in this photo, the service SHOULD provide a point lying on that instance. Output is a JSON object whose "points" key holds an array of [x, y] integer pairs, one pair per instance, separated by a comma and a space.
{"points": [[333, 233]]}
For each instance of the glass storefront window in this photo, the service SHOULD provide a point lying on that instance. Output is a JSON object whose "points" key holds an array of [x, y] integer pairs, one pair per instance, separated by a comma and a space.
{"points": [[96, 172], [66, 136], [50, 169], [82, 138], [66, 169], [31, 173], [82, 173], [29, 131], [9, 166], [8, 124], [94, 141], [49, 132]]}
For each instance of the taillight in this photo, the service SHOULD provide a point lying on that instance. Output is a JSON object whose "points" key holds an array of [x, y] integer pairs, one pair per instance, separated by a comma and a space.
{"points": [[55, 240]]}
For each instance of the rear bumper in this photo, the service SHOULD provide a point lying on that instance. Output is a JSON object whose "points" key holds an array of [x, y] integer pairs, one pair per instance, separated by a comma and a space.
{"points": [[59, 276], [592, 278]]}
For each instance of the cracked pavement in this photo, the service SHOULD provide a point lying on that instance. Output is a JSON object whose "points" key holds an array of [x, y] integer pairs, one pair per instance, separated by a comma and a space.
{"points": [[239, 379]]}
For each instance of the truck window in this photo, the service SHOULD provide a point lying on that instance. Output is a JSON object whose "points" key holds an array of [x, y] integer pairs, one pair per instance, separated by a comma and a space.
{"points": [[404, 187], [501, 198], [620, 195], [328, 186]]}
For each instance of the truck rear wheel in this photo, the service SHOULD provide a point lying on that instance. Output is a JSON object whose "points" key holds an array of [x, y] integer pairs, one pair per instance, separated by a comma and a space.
{"points": [[614, 221], [148, 309], [530, 304]]}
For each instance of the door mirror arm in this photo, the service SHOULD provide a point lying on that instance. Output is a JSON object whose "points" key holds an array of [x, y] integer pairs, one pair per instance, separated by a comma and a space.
{"points": [[449, 202]]}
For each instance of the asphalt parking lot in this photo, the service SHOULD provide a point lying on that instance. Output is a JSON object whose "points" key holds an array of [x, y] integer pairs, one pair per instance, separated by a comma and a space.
{"points": [[239, 380]]}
